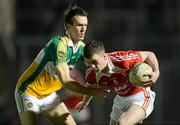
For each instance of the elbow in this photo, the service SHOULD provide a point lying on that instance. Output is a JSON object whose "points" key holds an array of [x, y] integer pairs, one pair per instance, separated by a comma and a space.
{"points": [[149, 56], [150, 53], [65, 83]]}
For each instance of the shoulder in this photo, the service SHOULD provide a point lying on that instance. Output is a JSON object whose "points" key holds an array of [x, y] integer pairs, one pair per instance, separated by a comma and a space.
{"points": [[125, 59], [121, 53], [125, 54], [56, 42], [61, 39]]}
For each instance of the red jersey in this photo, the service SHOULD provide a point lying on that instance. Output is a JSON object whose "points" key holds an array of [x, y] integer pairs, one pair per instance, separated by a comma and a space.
{"points": [[116, 79]]}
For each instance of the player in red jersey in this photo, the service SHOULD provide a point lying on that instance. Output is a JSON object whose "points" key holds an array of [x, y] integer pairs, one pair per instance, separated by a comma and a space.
{"points": [[109, 71]]}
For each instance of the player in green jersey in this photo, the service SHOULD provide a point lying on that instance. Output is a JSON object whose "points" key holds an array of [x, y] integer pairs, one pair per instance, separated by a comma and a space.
{"points": [[50, 71]]}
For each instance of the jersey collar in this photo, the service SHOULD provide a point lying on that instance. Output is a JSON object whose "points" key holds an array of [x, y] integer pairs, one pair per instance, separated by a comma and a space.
{"points": [[110, 65], [71, 44]]}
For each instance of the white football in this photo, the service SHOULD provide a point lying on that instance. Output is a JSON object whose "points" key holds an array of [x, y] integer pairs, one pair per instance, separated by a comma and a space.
{"points": [[136, 75]]}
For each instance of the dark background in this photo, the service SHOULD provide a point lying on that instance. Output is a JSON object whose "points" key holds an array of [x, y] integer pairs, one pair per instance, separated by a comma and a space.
{"points": [[153, 25]]}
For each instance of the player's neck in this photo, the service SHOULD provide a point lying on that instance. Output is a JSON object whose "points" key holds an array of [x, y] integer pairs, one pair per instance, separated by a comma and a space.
{"points": [[73, 40]]}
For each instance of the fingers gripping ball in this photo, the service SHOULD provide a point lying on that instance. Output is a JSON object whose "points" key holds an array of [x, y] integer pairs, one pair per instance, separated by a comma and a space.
{"points": [[137, 74]]}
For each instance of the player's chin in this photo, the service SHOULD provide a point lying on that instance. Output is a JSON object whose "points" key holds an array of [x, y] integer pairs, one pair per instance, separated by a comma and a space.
{"points": [[81, 38]]}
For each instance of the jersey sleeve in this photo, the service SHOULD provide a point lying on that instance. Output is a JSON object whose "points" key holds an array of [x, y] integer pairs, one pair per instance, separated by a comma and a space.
{"points": [[136, 57], [127, 59], [58, 50]]}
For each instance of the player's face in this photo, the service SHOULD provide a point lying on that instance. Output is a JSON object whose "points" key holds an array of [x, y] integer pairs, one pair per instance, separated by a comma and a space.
{"points": [[98, 62], [78, 29]]}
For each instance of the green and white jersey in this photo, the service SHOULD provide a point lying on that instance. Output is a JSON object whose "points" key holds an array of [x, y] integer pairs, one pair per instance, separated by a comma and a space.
{"points": [[40, 79]]}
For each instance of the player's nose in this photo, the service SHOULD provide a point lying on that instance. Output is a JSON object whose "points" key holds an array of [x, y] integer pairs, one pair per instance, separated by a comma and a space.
{"points": [[83, 28]]}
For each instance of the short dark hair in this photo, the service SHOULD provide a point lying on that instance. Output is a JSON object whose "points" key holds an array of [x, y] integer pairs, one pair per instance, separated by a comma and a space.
{"points": [[72, 11], [93, 47]]}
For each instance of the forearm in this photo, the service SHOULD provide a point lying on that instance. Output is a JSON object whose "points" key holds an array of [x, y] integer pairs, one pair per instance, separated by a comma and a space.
{"points": [[70, 84], [76, 87]]}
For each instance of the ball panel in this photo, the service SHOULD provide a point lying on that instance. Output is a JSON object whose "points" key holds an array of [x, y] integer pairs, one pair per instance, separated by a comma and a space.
{"points": [[136, 75]]}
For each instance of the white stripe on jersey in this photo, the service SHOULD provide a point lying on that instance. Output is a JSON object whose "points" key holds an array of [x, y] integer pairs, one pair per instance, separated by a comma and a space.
{"points": [[40, 57], [125, 57]]}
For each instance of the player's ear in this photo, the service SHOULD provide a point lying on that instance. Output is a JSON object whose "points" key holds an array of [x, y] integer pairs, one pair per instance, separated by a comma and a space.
{"points": [[86, 63], [68, 26], [65, 27], [105, 57]]}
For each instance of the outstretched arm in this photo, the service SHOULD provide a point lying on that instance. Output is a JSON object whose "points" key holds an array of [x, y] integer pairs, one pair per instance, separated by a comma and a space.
{"points": [[151, 59], [69, 83]]}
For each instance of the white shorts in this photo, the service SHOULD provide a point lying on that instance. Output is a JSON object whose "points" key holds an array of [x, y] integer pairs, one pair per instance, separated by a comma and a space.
{"points": [[145, 99], [26, 102]]}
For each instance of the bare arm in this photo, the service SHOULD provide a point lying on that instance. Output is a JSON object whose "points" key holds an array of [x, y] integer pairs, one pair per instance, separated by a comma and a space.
{"points": [[69, 83], [151, 59], [88, 98]]}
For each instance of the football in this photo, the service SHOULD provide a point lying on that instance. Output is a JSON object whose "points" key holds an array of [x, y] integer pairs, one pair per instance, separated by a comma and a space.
{"points": [[136, 75]]}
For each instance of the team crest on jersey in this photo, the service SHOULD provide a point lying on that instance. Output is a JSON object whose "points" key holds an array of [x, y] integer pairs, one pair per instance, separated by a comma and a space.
{"points": [[29, 104], [61, 54]]}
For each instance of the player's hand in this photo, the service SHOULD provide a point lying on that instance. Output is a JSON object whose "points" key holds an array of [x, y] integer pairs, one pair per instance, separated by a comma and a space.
{"points": [[80, 106], [63, 118], [152, 79]]}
